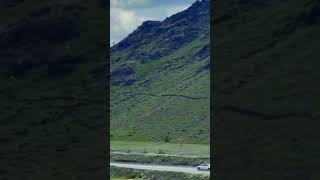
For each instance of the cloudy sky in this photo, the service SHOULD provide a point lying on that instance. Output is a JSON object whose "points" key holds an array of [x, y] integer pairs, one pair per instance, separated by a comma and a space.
{"points": [[127, 15]]}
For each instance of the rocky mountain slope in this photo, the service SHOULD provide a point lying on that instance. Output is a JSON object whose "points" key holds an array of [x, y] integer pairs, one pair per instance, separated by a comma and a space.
{"points": [[160, 79]]}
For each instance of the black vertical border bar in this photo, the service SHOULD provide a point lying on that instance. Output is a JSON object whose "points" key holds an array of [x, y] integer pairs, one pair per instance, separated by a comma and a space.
{"points": [[108, 87], [211, 89]]}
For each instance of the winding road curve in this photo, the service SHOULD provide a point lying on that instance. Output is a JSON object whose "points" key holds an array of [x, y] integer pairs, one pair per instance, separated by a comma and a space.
{"points": [[185, 169]]}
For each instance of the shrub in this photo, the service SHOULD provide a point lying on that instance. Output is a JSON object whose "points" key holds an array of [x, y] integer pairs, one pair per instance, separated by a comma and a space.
{"points": [[161, 151]]}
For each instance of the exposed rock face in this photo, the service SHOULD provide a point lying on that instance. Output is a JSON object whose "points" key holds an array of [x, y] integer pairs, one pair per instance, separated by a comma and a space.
{"points": [[167, 36], [201, 54], [122, 75]]}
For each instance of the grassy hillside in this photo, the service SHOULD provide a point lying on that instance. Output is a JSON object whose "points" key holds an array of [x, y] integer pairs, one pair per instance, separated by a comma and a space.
{"points": [[160, 80], [266, 88], [53, 92]]}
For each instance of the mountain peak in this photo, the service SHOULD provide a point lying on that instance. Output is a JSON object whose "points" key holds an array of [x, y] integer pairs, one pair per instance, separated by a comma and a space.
{"points": [[146, 25], [200, 4], [195, 19], [151, 23]]}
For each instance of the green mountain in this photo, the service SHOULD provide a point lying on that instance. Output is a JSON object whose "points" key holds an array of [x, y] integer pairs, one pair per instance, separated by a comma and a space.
{"points": [[160, 80], [53, 89], [266, 88]]}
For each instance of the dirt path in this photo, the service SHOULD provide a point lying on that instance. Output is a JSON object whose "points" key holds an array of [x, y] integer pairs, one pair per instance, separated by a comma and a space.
{"points": [[185, 169]]}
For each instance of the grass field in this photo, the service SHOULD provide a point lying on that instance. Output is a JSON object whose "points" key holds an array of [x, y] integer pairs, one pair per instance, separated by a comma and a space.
{"points": [[199, 150]]}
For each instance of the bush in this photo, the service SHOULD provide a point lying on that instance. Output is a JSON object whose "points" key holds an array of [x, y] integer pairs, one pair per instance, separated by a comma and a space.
{"points": [[161, 151], [163, 159]]}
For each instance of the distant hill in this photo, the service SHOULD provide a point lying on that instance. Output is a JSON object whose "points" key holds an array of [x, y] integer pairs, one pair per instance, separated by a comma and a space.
{"points": [[160, 80]]}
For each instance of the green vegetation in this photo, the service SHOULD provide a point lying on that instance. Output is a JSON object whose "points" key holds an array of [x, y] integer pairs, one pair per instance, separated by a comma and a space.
{"points": [[160, 83], [161, 158], [160, 153], [198, 150]]}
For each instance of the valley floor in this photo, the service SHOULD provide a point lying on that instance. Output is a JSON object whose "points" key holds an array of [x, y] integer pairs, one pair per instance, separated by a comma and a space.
{"points": [[130, 159], [198, 150]]}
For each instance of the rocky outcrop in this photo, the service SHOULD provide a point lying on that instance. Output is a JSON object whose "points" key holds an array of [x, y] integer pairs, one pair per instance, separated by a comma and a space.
{"points": [[122, 75], [164, 37]]}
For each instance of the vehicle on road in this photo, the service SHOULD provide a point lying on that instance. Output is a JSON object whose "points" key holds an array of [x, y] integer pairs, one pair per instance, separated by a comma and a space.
{"points": [[203, 167]]}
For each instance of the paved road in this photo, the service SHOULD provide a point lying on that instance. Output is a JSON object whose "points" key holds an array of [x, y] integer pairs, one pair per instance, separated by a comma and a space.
{"points": [[185, 169]]}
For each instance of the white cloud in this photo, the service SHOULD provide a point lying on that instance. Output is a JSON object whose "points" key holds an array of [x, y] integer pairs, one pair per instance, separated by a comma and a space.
{"points": [[137, 2], [122, 22], [129, 3], [127, 15], [175, 9]]}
